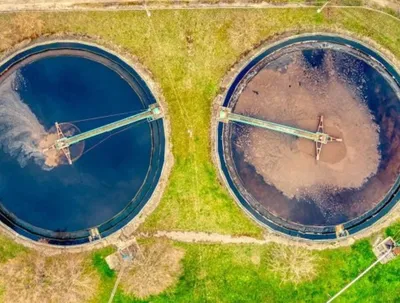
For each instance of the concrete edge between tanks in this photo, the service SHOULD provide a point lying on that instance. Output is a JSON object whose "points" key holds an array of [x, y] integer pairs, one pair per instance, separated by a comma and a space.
{"points": [[275, 236], [123, 234]]}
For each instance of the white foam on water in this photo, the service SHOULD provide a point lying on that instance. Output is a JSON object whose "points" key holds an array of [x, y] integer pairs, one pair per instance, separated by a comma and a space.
{"points": [[20, 130]]}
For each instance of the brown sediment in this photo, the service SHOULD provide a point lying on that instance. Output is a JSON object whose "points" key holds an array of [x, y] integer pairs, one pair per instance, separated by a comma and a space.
{"points": [[52, 156], [296, 96]]}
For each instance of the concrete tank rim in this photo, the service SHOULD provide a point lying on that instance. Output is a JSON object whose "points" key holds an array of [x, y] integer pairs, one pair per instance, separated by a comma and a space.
{"points": [[145, 74], [227, 81]]}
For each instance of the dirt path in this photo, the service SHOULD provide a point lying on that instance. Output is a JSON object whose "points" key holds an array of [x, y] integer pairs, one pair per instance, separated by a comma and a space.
{"points": [[187, 236], [15, 5], [18, 5], [393, 4], [273, 237], [215, 238]]}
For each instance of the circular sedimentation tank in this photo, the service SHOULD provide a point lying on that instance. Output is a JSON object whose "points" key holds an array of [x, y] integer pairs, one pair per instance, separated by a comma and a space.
{"points": [[275, 176], [113, 175]]}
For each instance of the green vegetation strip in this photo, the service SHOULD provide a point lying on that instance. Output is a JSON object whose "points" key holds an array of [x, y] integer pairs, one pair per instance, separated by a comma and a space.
{"points": [[242, 273]]}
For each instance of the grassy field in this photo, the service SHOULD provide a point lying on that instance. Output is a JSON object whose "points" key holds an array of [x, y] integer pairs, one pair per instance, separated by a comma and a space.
{"points": [[241, 273], [188, 53], [229, 275]]}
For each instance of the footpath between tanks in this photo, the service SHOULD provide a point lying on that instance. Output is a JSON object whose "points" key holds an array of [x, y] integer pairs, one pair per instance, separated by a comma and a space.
{"points": [[128, 234], [271, 237]]}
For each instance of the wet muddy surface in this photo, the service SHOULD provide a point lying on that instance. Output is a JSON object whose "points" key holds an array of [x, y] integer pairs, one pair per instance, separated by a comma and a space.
{"points": [[359, 103]]}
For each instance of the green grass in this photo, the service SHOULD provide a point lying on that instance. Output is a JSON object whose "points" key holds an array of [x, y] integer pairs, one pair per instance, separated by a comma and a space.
{"points": [[9, 249], [226, 273], [188, 53], [393, 231], [99, 262], [107, 276]]}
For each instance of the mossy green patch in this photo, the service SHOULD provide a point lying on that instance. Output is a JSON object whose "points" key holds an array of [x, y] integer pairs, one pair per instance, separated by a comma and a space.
{"points": [[107, 276], [393, 231], [9, 249]]}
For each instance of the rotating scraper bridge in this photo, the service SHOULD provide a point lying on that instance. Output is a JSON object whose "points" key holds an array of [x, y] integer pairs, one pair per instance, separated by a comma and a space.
{"points": [[63, 142], [319, 137]]}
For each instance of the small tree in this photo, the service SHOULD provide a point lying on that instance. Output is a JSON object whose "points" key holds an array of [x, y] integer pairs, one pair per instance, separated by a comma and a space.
{"points": [[156, 268], [292, 264]]}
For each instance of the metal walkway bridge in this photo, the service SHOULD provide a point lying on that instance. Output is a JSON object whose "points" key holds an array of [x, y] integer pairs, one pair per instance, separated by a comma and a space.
{"points": [[319, 137], [63, 143]]}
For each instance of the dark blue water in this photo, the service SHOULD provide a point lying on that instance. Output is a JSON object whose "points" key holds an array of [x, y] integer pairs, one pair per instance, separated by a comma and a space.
{"points": [[103, 181], [306, 218]]}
